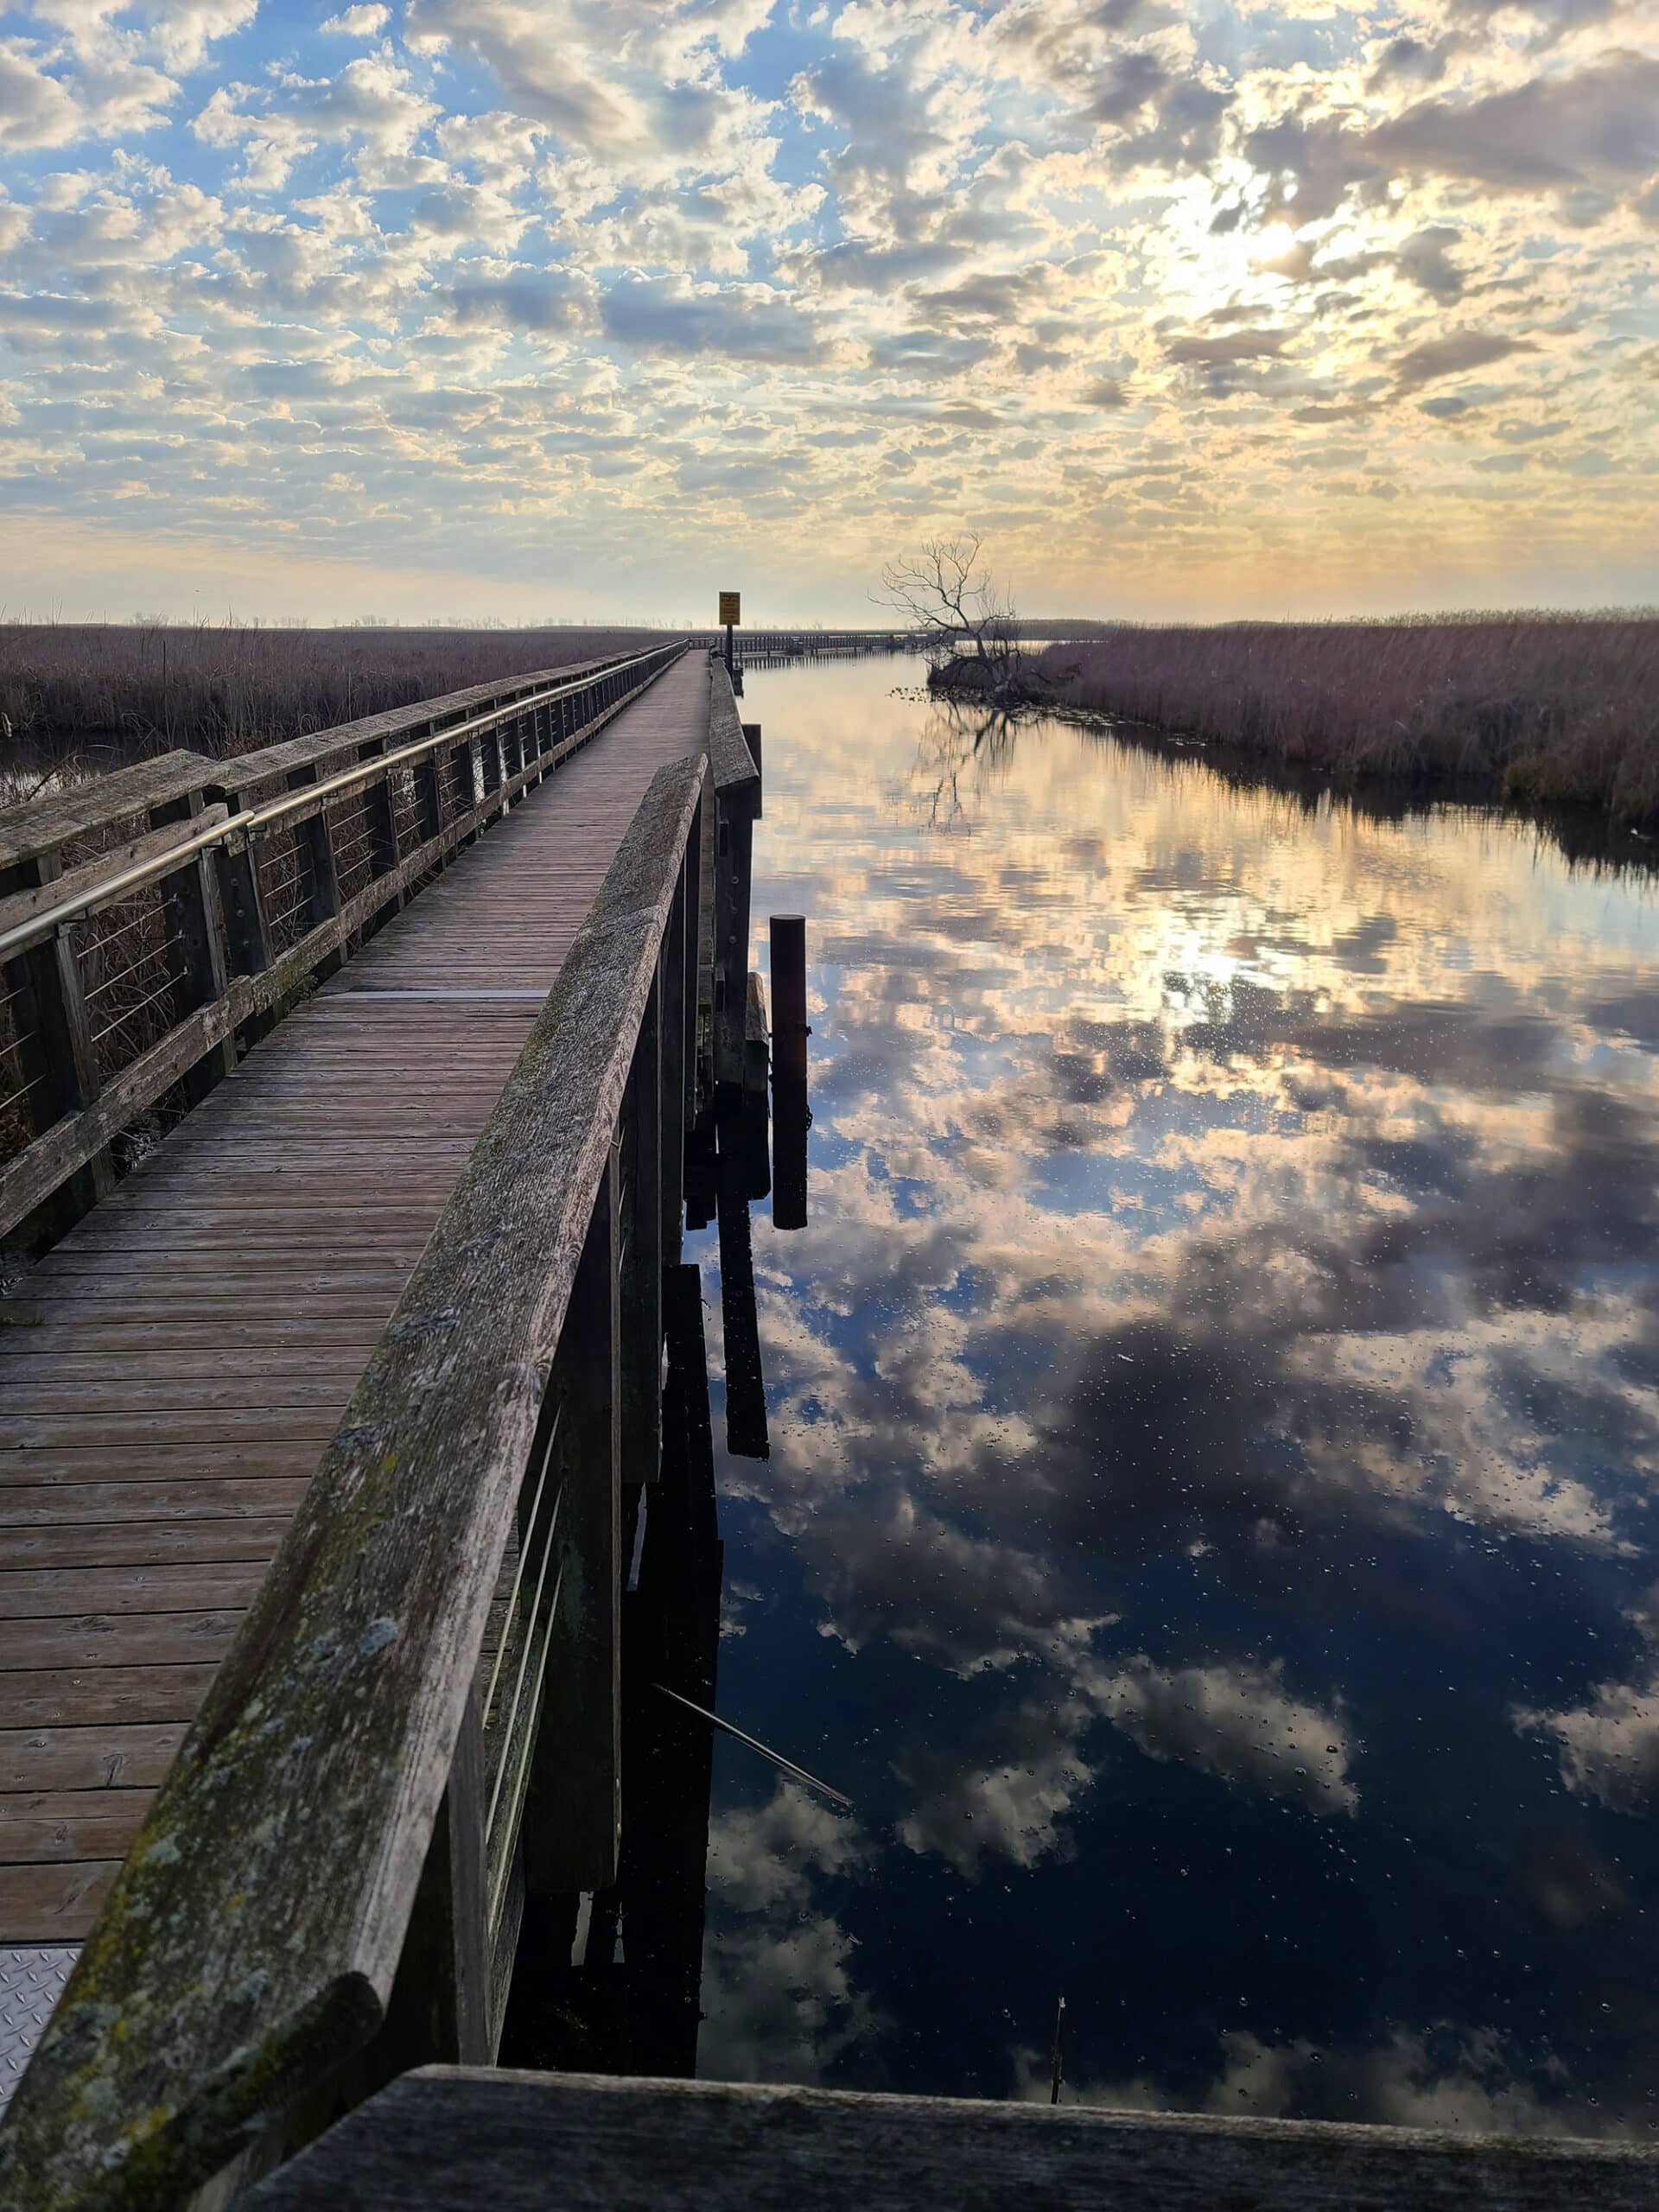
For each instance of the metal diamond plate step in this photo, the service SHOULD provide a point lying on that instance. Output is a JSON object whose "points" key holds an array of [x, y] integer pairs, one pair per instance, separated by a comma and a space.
{"points": [[31, 1982]]}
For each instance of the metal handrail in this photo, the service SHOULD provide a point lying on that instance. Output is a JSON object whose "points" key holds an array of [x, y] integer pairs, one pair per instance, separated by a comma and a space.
{"points": [[247, 822]]}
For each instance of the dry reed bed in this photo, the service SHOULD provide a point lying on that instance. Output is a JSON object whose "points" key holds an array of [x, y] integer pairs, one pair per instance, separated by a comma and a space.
{"points": [[138, 688], [1560, 709]]}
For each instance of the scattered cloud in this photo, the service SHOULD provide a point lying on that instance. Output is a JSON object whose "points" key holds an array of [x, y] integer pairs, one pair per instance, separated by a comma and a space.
{"points": [[720, 216]]}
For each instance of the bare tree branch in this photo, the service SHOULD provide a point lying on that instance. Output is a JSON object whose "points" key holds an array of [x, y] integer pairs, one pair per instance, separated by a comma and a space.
{"points": [[944, 594]]}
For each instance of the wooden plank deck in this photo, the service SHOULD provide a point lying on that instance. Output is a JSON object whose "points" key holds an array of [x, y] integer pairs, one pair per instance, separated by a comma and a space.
{"points": [[182, 1356]]}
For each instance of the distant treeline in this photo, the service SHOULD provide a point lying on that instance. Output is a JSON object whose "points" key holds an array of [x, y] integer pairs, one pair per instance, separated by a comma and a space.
{"points": [[138, 688], [1560, 709]]}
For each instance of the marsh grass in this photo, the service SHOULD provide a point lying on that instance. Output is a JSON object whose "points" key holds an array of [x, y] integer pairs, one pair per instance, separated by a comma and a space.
{"points": [[134, 688], [1554, 710]]}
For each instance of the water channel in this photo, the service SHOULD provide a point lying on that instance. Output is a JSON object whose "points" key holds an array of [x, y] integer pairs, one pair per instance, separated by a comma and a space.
{"points": [[1213, 1414]]}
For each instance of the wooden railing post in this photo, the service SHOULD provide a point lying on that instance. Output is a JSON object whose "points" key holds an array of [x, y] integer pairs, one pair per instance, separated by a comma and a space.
{"points": [[462, 777], [57, 1057], [706, 952], [440, 2010], [573, 1808], [247, 935], [752, 738], [677, 1006], [384, 853], [734, 860], [313, 838], [190, 906], [428, 799], [642, 1261]]}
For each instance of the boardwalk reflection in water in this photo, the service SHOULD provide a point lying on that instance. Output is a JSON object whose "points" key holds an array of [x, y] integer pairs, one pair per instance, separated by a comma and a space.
{"points": [[1212, 1418]]}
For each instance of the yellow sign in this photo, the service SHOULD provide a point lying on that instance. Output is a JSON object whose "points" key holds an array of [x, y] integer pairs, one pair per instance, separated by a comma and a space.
{"points": [[729, 605]]}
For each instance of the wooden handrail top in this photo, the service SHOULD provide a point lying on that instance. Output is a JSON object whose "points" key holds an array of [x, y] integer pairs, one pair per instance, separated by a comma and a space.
{"points": [[448, 2138], [251, 1941], [97, 887], [729, 759], [267, 763], [169, 846], [35, 829]]}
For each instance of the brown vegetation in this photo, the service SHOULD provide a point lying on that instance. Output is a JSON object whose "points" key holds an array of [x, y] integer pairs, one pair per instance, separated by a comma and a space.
{"points": [[134, 688], [1557, 709]]}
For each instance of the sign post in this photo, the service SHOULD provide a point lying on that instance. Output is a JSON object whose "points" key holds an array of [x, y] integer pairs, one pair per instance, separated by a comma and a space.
{"points": [[731, 613]]}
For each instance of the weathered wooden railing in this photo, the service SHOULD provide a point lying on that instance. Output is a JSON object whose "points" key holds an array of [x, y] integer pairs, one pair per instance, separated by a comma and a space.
{"points": [[218, 888], [418, 1725]]}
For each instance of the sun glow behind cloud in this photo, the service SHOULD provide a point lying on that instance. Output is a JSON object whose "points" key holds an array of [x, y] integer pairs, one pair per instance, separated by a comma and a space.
{"points": [[545, 309]]}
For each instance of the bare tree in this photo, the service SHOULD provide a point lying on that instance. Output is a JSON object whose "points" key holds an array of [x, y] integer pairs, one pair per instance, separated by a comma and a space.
{"points": [[944, 594]]}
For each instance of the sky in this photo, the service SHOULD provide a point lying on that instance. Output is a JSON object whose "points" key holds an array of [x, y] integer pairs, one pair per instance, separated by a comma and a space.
{"points": [[573, 310]]}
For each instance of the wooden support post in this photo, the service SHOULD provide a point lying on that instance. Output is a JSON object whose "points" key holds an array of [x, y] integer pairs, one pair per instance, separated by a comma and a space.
{"points": [[675, 1631], [757, 1064], [751, 736], [733, 865], [489, 747], [55, 1053], [464, 776], [572, 1814], [428, 805], [746, 1389], [247, 939], [314, 839], [676, 1004], [190, 904], [642, 1258], [383, 822], [789, 1029], [700, 1070], [440, 2010], [752, 1133], [700, 958], [791, 1116]]}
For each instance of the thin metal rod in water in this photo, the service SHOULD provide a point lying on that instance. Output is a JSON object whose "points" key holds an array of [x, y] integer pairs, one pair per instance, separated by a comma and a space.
{"points": [[755, 1745]]}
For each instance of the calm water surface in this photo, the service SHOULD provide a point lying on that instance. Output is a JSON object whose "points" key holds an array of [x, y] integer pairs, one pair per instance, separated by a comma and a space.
{"points": [[1208, 1530]]}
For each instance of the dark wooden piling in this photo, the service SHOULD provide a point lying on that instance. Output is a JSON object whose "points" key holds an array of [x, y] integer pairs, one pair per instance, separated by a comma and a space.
{"points": [[791, 1118], [789, 1028]]}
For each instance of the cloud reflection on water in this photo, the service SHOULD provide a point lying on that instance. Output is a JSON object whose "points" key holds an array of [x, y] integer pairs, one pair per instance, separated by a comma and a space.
{"points": [[1214, 1413]]}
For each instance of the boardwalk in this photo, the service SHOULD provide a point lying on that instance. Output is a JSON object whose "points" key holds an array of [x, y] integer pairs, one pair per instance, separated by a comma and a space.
{"points": [[189, 1347]]}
